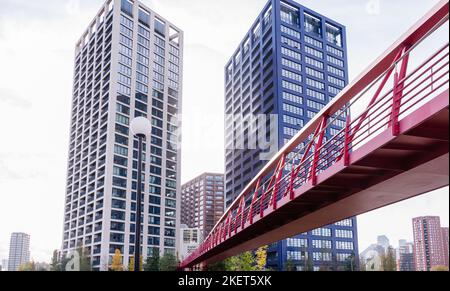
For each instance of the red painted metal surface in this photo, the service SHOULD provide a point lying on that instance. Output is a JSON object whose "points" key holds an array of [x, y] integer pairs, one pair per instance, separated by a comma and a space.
{"points": [[403, 126]]}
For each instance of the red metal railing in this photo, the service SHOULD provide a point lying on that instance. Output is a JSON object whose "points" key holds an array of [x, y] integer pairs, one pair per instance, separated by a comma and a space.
{"points": [[309, 153]]}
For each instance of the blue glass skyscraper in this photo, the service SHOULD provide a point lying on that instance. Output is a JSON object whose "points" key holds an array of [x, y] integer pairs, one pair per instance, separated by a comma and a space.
{"points": [[291, 63]]}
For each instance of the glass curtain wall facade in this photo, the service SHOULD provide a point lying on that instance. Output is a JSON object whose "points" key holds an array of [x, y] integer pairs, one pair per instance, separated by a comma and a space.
{"points": [[291, 63], [128, 63]]}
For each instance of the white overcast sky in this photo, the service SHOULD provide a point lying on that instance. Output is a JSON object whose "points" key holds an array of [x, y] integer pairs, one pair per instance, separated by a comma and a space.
{"points": [[37, 41]]}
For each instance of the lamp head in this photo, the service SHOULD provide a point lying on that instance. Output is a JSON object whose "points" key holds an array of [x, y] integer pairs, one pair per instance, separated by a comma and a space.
{"points": [[141, 126]]}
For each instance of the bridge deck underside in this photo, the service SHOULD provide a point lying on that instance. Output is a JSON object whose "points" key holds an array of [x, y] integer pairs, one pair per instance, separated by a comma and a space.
{"points": [[384, 171]]}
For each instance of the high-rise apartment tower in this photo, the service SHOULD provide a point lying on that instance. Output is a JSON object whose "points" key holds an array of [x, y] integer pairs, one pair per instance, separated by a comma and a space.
{"points": [[19, 251], [429, 243], [290, 64], [203, 202], [128, 63]]}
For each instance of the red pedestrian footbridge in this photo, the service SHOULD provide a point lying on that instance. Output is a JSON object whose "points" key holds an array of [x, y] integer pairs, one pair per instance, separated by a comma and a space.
{"points": [[393, 146]]}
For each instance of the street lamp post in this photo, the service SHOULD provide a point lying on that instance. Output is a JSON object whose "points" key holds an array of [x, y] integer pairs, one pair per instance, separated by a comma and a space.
{"points": [[140, 127]]}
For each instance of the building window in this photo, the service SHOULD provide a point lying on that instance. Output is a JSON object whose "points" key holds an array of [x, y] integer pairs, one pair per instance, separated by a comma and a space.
{"points": [[127, 7], [316, 84], [314, 52], [144, 32], [313, 41], [311, 114], [126, 31], [297, 242], [289, 14], [321, 244], [125, 70], [142, 40], [168, 242], [160, 27], [126, 41], [335, 61], [292, 109], [333, 90], [124, 79], [313, 25], [334, 35], [267, 16], [144, 17], [325, 257], [126, 21], [246, 45], [313, 62], [336, 71], [291, 75], [237, 58], [290, 42], [344, 245], [315, 105], [121, 150], [292, 87], [290, 131], [290, 32], [292, 98], [291, 64], [122, 119], [343, 257], [315, 94], [344, 233], [293, 120], [125, 50], [336, 81], [321, 232], [291, 53], [257, 32], [335, 51], [296, 255], [125, 60], [314, 73]]}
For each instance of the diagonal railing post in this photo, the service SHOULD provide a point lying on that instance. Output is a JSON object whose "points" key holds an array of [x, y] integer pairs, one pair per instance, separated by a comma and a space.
{"points": [[296, 170], [347, 143], [317, 150], [279, 175], [255, 196], [243, 214], [294, 173], [377, 93], [239, 213], [227, 227], [399, 84]]}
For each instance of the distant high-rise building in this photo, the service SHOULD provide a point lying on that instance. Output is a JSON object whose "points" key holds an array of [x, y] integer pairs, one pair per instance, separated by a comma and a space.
{"points": [[405, 256], [202, 202], [19, 251], [445, 243], [128, 63], [290, 64], [190, 240], [4, 265], [383, 241], [429, 250]]}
